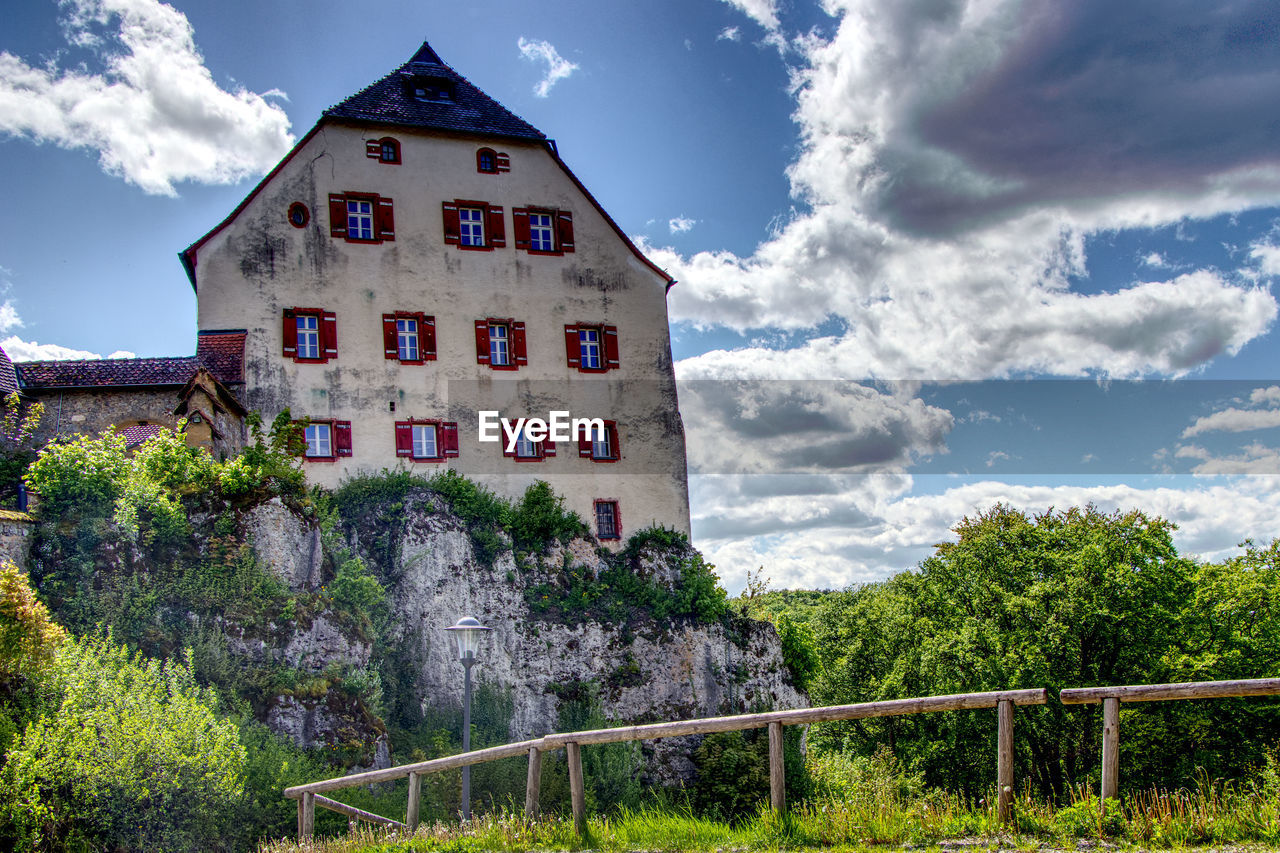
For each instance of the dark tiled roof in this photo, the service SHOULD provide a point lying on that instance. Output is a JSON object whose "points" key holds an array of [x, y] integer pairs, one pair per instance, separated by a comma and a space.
{"points": [[105, 372], [222, 352], [467, 109], [136, 435], [8, 377]]}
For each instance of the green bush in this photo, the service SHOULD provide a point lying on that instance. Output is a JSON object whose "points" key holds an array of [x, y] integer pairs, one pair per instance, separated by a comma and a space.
{"points": [[132, 758], [733, 772], [540, 519], [799, 651]]}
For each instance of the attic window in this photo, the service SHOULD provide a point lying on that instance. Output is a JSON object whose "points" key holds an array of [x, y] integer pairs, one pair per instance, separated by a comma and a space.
{"points": [[430, 89]]}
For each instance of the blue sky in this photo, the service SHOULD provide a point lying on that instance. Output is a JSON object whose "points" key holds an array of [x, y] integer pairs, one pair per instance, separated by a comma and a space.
{"points": [[963, 250]]}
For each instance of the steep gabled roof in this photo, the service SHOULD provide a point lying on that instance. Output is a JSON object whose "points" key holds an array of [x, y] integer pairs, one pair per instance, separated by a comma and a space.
{"points": [[426, 93], [8, 377]]}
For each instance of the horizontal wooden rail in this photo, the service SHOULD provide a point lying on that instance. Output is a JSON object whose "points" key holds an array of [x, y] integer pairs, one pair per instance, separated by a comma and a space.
{"points": [[1163, 692], [435, 765], [359, 814], [800, 716]]}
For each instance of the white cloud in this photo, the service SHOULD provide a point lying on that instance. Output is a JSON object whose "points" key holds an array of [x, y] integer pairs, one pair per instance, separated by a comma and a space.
{"points": [[9, 318], [558, 67], [154, 113], [763, 12], [730, 34], [1233, 419], [1155, 259], [681, 224], [20, 350], [1253, 458], [954, 159], [1267, 257], [852, 530]]}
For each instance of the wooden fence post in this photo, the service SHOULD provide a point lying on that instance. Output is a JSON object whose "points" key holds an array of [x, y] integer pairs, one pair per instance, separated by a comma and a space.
{"points": [[577, 793], [415, 801], [1004, 759], [306, 816], [533, 783], [1110, 749], [777, 769]]}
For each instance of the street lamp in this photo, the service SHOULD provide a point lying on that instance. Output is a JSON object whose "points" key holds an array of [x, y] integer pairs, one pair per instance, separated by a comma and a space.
{"points": [[467, 633]]}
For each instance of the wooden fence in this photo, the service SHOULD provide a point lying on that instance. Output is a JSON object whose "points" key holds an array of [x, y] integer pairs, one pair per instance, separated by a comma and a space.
{"points": [[309, 795]]}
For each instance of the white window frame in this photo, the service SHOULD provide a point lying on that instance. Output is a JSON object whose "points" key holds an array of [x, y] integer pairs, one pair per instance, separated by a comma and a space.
{"points": [[526, 448], [471, 227], [422, 435], [359, 219], [319, 440], [601, 448], [407, 340], [500, 345], [542, 234], [590, 342], [308, 345]]}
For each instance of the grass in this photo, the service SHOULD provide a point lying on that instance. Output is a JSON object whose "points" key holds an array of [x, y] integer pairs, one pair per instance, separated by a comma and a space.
{"points": [[1214, 813]]}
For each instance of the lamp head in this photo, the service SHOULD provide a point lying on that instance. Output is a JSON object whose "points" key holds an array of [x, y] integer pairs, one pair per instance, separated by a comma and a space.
{"points": [[467, 632]]}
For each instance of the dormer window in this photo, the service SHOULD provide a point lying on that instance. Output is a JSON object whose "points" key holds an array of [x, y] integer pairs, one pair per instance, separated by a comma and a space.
{"points": [[384, 150], [428, 89]]}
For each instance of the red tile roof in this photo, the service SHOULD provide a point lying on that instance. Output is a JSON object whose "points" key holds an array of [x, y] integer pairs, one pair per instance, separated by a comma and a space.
{"points": [[221, 352], [8, 378], [135, 435]]}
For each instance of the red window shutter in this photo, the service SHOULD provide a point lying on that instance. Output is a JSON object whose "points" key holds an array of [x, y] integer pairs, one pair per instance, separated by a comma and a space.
{"points": [[337, 215], [449, 438], [572, 349], [452, 227], [290, 333], [611, 347], [548, 448], [427, 335], [390, 338], [564, 230], [584, 442], [329, 334], [611, 428], [497, 230], [617, 519], [503, 162], [342, 438], [404, 438], [517, 343], [520, 224], [373, 148], [384, 219], [482, 341]]}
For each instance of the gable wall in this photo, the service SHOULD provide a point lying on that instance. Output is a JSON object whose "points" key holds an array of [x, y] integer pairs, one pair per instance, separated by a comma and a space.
{"points": [[260, 265]]}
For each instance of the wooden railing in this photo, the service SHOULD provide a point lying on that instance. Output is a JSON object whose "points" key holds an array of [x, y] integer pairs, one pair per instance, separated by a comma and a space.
{"points": [[309, 795]]}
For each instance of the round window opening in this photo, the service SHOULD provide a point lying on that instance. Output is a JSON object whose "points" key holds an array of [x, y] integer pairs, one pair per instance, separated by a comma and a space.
{"points": [[299, 216]]}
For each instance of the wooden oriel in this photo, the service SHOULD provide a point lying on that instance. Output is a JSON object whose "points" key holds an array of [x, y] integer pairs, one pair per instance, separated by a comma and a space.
{"points": [[777, 769], [1110, 747], [577, 791], [415, 801], [1162, 692], [1004, 760], [533, 783]]}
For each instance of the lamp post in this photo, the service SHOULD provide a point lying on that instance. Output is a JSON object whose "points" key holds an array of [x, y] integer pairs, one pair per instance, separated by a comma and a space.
{"points": [[467, 633]]}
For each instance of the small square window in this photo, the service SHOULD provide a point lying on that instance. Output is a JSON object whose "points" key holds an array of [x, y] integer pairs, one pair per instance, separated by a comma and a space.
{"points": [[486, 162], [407, 339], [607, 522], [308, 336], [389, 151], [319, 441], [425, 445], [499, 344]]}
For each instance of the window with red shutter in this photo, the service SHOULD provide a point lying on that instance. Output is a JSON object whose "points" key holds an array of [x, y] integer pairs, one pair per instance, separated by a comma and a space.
{"points": [[602, 447], [361, 218], [474, 225], [325, 440], [310, 335], [542, 231], [384, 150]]}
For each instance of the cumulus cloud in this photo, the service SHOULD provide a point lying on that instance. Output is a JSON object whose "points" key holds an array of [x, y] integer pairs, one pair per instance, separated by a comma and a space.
{"points": [[153, 113], [736, 427], [843, 531], [558, 67], [1267, 257], [20, 350], [763, 12], [681, 224], [1234, 419], [730, 34], [955, 156]]}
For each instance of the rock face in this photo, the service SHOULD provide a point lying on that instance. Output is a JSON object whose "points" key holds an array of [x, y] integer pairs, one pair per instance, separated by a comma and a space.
{"points": [[640, 671]]}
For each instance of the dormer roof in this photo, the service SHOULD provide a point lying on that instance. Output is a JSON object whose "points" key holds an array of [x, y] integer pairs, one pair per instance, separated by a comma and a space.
{"points": [[424, 92]]}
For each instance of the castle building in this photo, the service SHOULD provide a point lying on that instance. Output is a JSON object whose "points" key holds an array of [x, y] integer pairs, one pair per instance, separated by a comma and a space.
{"points": [[420, 258]]}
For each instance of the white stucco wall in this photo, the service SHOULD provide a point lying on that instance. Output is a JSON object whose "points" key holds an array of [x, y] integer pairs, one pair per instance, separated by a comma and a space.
{"points": [[257, 266]]}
